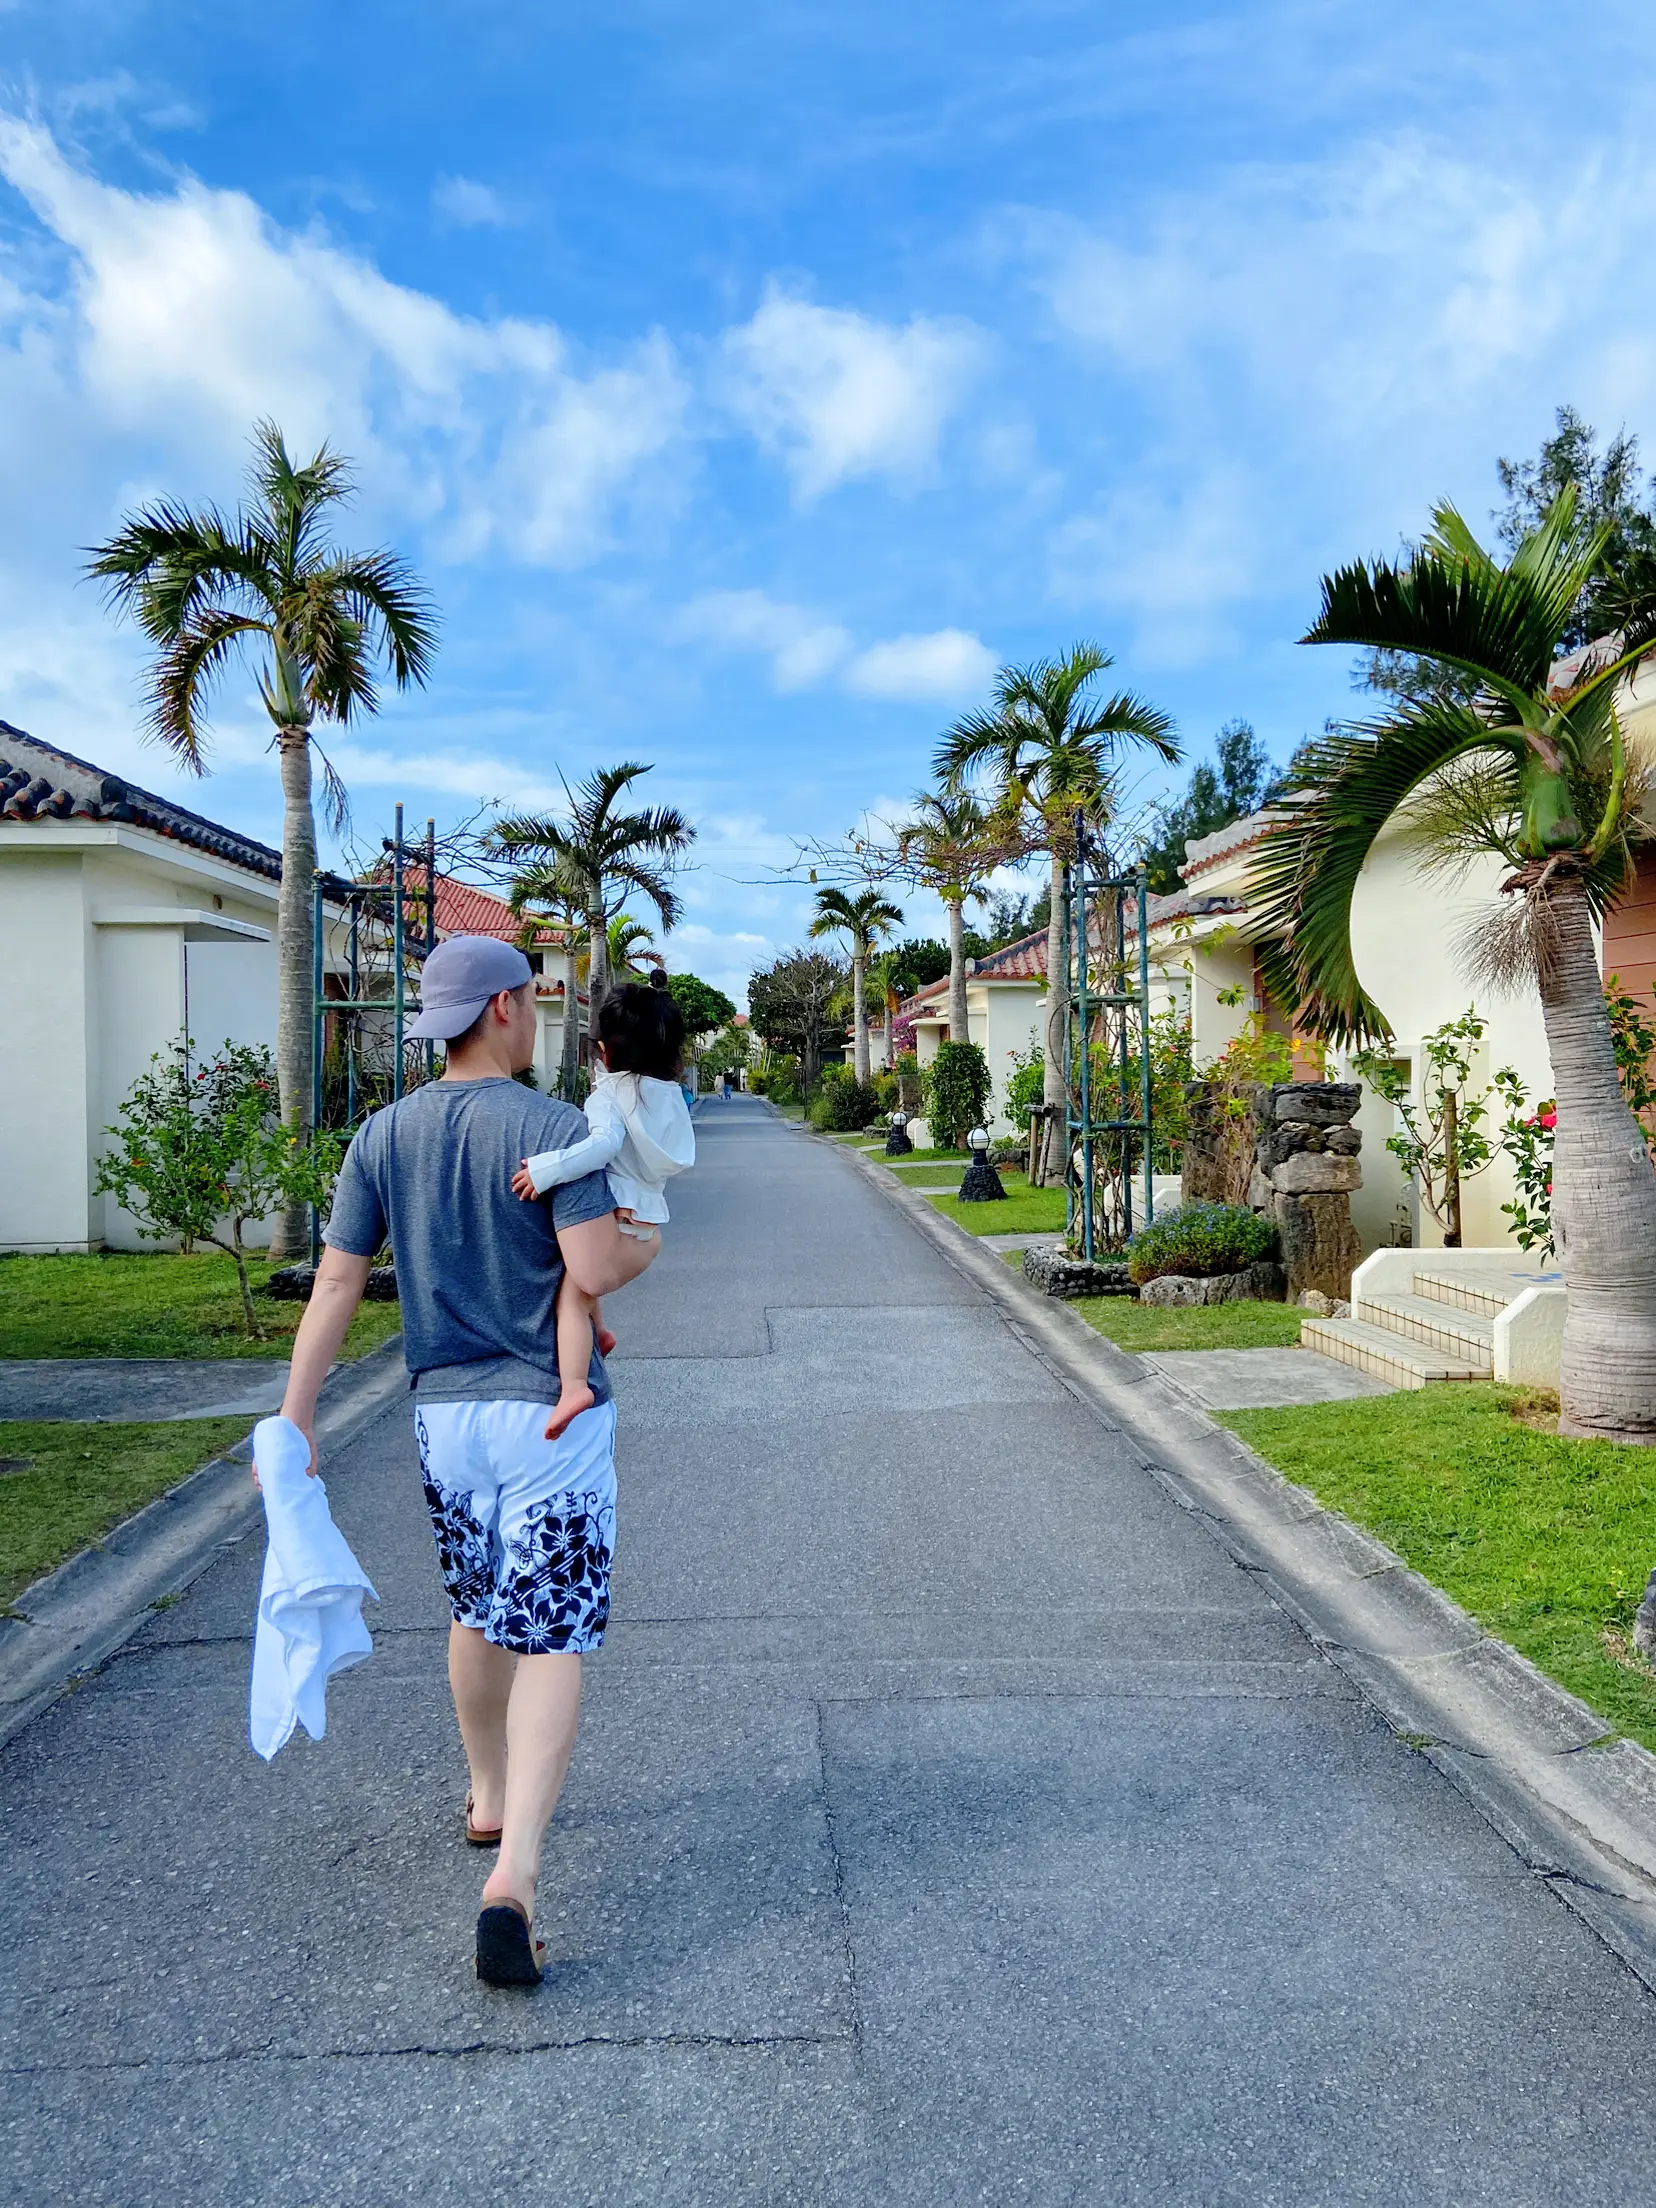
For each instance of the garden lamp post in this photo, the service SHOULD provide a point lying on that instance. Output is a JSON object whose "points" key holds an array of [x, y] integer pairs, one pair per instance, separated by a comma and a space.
{"points": [[898, 1144], [981, 1183]]}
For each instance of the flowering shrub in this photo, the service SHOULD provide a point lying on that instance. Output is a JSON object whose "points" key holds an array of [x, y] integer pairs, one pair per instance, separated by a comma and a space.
{"points": [[200, 1153]]}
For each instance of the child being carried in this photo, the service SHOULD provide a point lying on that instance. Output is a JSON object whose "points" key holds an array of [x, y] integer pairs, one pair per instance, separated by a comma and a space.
{"points": [[641, 1135]]}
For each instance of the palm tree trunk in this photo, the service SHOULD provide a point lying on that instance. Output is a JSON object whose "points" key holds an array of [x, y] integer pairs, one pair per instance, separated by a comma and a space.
{"points": [[859, 1021], [958, 1032], [1055, 1089], [1604, 1202], [597, 970], [295, 966]]}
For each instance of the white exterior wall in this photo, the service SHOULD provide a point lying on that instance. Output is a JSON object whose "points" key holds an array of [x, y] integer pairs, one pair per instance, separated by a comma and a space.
{"points": [[45, 1187], [98, 978], [1005, 1017]]}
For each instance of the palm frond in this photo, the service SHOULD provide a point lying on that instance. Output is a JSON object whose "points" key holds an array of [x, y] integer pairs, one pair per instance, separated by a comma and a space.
{"points": [[652, 883], [1452, 605], [184, 673], [1305, 872], [393, 608]]}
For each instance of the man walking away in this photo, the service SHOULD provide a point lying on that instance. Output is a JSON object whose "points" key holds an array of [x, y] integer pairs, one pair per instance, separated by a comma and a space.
{"points": [[524, 1526]]}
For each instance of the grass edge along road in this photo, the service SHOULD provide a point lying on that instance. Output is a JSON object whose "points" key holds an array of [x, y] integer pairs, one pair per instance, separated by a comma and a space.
{"points": [[141, 1304], [1546, 1542], [83, 1479]]}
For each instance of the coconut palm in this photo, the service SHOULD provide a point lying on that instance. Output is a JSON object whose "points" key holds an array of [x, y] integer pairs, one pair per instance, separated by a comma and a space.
{"points": [[268, 581], [949, 848], [1540, 778], [627, 935], [1051, 745], [597, 857], [862, 920]]}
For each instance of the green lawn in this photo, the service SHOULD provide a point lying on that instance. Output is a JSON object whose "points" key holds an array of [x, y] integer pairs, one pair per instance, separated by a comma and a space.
{"points": [[925, 1157], [1207, 1326], [151, 1306], [81, 1480], [1546, 1542], [1026, 1210]]}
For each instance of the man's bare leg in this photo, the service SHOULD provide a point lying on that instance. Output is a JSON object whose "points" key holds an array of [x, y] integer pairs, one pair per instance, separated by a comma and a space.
{"points": [[543, 1716], [480, 1679]]}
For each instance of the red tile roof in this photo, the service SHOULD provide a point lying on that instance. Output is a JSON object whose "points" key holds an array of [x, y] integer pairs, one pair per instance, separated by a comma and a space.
{"points": [[464, 909]]}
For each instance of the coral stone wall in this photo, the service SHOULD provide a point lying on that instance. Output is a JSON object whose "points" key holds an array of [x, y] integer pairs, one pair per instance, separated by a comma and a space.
{"points": [[1290, 1153]]}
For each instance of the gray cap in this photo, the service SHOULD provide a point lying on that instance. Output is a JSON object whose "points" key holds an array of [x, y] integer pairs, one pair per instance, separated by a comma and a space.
{"points": [[458, 980]]}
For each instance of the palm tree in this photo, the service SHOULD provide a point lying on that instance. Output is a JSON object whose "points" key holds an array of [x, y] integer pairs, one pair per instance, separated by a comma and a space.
{"points": [[205, 588], [626, 935], [1540, 779], [862, 920], [1051, 746], [948, 845], [597, 858]]}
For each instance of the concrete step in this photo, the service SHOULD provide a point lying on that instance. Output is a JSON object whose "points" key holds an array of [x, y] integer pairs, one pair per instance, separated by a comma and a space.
{"points": [[1394, 1358], [1487, 1293], [1467, 1336]]}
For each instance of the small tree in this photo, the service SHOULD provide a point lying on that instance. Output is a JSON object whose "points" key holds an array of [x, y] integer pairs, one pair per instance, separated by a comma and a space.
{"points": [[1440, 1141], [958, 1086], [702, 1007], [201, 1152]]}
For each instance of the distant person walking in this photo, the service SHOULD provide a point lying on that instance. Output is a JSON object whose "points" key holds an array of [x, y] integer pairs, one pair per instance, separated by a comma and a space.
{"points": [[524, 1525]]}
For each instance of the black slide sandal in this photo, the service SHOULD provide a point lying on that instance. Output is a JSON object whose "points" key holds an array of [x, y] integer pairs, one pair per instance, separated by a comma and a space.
{"points": [[506, 1954]]}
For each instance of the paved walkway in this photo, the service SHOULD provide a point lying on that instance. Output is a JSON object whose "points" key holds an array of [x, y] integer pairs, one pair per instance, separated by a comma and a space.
{"points": [[954, 1822]]}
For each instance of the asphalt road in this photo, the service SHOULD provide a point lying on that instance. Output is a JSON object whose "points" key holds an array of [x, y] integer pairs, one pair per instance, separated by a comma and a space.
{"points": [[954, 1821]]}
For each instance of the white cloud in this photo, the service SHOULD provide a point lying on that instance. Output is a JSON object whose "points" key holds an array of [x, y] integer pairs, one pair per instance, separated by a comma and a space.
{"points": [[805, 650], [802, 650], [470, 205], [838, 395], [189, 314], [946, 664]]}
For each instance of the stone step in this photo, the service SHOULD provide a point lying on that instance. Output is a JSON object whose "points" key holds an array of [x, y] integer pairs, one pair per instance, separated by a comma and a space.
{"points": [[1488, 1293], [1468, 1336], [1394, 1358]]}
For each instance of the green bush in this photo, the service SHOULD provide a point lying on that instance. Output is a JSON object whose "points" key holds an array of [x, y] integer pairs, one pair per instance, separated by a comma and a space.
{"points": [[1200, 1240], [843, 1104], [1026, 1088], [958, 1086]]}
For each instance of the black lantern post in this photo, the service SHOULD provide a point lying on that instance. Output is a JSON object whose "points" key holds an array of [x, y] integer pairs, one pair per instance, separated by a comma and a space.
{"points": [[981, 1183], [898, 1144]]}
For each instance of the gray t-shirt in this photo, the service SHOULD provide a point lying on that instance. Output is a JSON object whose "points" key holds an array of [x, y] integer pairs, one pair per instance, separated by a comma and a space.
{"points": [[477, 1269]]}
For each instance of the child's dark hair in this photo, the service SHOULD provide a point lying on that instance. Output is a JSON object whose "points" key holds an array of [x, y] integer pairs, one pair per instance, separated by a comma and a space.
{"points": [[642, 1031]]}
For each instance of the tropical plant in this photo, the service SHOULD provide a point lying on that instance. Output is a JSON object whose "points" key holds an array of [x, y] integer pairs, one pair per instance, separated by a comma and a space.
{"points": [[1439, 1139], [201, 1151], [1542, 780], [862, 920], [788, 1006], [595, 857], [1200, 1241], [842, 1103], [949, 847], [1026, 1083], [1050, 746], [702, 1007], [958, 1087], [626, 935], [206, 588]]}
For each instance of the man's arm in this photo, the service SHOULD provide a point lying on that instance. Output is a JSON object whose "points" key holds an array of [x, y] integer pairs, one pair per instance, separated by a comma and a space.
{"points": [[340, 1280], [599, 1258]]}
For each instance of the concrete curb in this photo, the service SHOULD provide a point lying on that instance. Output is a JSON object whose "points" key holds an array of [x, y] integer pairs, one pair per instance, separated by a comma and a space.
{"points": [[1516, 1745], [67, 1624]]}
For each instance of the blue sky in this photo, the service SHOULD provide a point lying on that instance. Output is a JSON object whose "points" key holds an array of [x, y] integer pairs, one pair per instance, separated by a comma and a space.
{"points": [[747, 384]]}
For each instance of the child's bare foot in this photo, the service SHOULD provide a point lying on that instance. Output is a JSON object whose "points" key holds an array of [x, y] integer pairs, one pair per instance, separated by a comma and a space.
{"points": [[571, 1403], [605, 1340]]}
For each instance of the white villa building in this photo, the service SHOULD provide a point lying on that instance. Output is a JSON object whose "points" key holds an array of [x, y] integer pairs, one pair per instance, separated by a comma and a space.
{"points": [[128, 922], [1406, 925]]}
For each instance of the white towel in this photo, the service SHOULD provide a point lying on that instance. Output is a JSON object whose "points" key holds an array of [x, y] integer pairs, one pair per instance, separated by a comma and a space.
{"points": [[310, 1621]]}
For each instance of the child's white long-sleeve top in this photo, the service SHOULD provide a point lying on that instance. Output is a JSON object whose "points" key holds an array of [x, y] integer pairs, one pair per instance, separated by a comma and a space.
{"points": [[640, 1134]]}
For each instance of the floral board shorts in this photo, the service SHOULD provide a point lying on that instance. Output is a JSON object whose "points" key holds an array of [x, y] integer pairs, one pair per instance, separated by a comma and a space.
{"points": [[525, 1527]]}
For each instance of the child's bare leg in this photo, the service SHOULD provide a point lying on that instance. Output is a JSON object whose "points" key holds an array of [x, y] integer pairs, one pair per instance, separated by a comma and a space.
{"points": [[575, 1317], [602, 1335]]}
